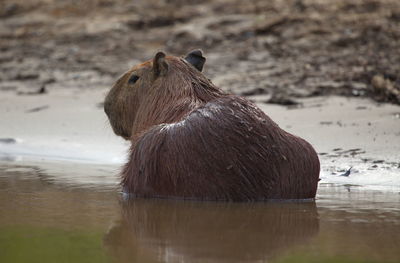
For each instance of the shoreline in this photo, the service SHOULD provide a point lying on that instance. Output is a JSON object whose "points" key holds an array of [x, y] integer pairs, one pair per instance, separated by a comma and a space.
{"points": [[339, 129]]}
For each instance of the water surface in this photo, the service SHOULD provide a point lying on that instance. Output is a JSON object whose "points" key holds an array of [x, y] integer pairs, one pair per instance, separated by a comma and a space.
{"points": [[68, 212]]}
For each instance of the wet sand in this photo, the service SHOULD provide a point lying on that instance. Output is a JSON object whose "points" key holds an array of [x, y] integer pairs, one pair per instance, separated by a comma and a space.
{"points": [[346, 132]]}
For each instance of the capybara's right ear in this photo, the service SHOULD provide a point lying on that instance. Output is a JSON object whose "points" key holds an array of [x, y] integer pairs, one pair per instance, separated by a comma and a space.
{"points": [[195, 57], [160, 65]]}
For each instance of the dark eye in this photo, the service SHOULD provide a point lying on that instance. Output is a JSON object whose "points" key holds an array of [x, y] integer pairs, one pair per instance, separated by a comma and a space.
{"points": [[133, 79]]}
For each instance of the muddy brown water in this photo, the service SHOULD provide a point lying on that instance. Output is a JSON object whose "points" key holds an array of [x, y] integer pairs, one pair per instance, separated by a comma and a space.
{"points": [[67, 212]]}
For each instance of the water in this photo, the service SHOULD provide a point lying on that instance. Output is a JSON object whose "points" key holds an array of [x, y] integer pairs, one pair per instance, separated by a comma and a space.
{"points": [[68, 212]]}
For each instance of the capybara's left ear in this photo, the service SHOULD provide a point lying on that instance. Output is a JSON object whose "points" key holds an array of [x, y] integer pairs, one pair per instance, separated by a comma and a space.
{"points": [[196, 58], [160, 65]]}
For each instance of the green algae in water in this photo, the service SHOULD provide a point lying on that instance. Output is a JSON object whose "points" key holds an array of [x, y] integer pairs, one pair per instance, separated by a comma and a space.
{"points": [[307, 258], [28, 244]]}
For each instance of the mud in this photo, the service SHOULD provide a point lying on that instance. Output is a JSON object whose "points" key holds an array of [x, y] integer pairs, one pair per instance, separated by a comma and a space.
{"points": [[285, 49]]}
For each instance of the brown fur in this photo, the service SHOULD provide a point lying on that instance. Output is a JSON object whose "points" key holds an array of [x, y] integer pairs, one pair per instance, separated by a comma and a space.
{"points": [[190, 140]]}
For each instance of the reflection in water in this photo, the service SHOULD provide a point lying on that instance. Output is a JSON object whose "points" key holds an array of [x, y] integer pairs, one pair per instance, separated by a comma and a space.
{"points": [[53, 211], [178, 231]]}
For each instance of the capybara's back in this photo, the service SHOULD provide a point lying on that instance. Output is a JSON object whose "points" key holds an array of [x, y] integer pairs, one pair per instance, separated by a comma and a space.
{"points": [[190, 140]]}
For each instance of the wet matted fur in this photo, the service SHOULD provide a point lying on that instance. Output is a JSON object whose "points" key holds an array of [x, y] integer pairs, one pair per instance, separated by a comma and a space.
{"points": [[191, 140]]}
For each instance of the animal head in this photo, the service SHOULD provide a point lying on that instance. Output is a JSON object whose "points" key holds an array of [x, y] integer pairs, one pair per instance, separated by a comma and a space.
{"points": [[157, 91]]}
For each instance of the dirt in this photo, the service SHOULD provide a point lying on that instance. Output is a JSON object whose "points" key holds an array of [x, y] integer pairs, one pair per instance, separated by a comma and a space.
{"points": [[283, 49]]}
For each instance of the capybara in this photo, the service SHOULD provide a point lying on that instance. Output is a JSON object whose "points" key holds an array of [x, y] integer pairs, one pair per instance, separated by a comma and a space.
{"points": [[191, 140]]}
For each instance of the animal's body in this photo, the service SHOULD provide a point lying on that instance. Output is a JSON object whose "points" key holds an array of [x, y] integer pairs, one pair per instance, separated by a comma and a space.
{"points": [[191, 140]]}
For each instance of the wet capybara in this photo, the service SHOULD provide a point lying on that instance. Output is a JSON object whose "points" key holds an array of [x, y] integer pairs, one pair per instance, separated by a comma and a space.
{"points": [[191, 140]]}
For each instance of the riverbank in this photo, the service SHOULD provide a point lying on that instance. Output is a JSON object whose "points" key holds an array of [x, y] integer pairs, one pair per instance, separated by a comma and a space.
{"points": [[69, 125]]}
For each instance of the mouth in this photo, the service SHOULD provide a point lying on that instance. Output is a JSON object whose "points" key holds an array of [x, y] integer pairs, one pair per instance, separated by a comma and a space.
{"points": [[125, 135], [116, 127], [119, 131], [126, 138]]}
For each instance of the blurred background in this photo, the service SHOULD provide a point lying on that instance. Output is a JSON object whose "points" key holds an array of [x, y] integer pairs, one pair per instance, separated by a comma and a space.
{"points": [[285, 48]]}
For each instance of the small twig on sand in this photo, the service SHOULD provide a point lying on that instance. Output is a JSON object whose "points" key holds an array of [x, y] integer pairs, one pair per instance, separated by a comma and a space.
{"points": [[347, 173]]}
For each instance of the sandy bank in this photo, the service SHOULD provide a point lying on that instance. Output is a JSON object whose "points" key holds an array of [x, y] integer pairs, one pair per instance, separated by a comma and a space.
{"points": [[69, 125]]}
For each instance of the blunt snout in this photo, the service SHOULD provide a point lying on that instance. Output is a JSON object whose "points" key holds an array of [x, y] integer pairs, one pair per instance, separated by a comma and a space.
{"points": [[107, 106]]}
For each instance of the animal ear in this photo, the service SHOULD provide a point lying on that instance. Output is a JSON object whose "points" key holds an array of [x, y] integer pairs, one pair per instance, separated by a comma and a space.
{"points": [[160, 65], [196, 59]]}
